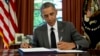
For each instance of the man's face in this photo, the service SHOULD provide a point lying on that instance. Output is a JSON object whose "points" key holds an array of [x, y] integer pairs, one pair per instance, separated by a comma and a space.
{"points": [[49, 15]]}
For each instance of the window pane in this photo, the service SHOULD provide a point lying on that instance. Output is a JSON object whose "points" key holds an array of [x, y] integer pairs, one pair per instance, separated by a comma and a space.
{"points": [[37, 18], [47, 1], [58, 4], [37, 4], [59, 15]]}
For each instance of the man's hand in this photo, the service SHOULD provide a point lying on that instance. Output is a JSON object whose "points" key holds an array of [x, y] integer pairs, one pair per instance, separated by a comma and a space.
{"points": [[66, 45], [25, 45]]}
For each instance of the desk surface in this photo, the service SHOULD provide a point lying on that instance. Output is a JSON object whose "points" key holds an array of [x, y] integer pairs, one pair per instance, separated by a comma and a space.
{"points": [[14, 52]]}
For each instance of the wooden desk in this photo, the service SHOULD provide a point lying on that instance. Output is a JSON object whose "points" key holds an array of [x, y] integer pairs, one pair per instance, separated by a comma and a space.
{"points": [[94, 52], [9, 52], [14, 52], [15, 46]]}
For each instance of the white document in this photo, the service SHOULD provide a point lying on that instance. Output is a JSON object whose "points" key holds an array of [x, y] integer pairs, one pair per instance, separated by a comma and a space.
{"points": [[42, 49], [35, 49], [68, 51]]}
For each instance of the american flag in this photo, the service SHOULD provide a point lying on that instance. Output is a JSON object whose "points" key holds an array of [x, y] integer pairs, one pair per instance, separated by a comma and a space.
{"points": [[8, 21]]}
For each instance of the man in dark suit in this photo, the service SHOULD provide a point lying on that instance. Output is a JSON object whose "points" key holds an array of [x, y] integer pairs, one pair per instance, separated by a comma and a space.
{"points": [[66, 35]]}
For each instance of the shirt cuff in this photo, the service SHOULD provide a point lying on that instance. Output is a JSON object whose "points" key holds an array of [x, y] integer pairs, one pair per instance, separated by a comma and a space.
{"points": [[77, 46]]}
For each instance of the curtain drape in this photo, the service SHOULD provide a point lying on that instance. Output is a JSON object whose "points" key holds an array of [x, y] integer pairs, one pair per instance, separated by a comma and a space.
{"points": [[72, 11], [25, 16]]}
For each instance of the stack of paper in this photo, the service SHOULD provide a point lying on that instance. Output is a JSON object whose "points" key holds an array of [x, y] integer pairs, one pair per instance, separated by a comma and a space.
{"points": [[35, 49]]}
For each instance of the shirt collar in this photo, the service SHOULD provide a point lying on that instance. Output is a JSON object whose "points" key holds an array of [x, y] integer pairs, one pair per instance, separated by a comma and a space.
{"points": [[54, 26]]}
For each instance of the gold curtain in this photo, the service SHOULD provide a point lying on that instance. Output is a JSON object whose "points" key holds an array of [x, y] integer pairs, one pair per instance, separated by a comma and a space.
{"points": [[72, 11], [25, 16]]}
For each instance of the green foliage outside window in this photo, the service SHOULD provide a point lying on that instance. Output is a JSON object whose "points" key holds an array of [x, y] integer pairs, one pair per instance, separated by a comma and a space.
{"points": [[37, 18]]}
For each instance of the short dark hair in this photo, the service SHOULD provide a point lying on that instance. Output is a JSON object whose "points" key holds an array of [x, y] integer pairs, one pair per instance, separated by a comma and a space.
{"points": [[46, 5]]}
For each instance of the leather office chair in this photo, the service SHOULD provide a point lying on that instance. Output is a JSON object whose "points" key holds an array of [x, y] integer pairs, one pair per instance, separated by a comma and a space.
{"points": [[1, 43]]}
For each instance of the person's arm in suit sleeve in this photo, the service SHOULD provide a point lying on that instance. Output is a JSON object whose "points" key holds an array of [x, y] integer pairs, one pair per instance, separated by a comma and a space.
{"points": [[33, 44], [81, 43], [35, 39]]}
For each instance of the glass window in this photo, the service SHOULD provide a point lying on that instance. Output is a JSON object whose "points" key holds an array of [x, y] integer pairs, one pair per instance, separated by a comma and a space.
{"points": [[38, 21]]}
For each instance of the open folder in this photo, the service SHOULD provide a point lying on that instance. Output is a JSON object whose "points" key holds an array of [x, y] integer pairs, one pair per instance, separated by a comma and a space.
{"points": [[42, 50]]}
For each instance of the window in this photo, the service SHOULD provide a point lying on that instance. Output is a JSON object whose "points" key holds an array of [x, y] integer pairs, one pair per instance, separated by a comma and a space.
{"points": [[37, 17]]}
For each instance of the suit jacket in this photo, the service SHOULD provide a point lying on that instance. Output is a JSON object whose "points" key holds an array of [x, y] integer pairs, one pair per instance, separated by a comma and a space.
{"points": [[65, 30]]}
